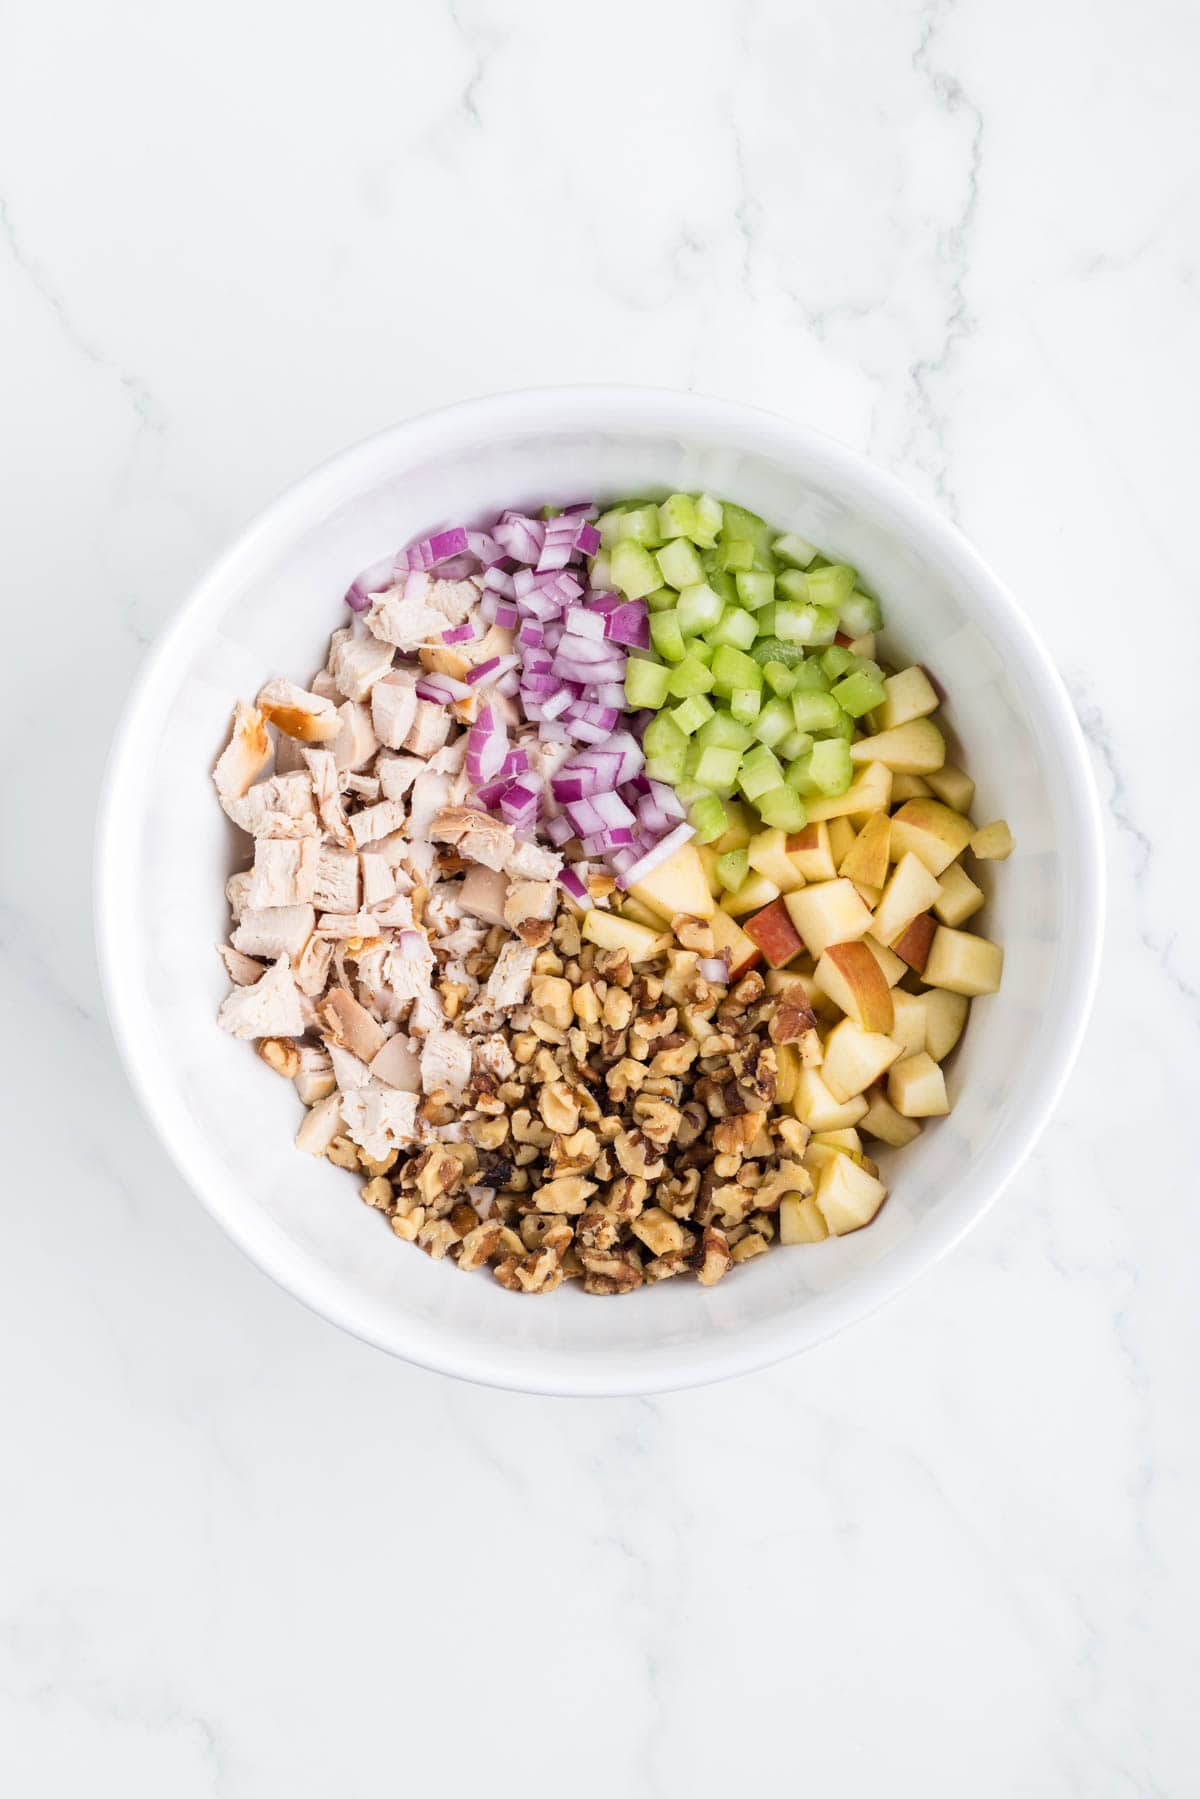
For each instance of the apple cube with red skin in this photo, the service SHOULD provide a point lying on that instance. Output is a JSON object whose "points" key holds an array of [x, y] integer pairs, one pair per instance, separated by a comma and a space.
{"points": [[729, 936], [914, 941], [853, 979], [775, 934]]}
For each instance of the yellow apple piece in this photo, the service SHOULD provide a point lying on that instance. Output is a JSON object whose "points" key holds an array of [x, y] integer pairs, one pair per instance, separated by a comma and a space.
{"points": [[848, 1141], [931, 831], [958, 896], [872, 792], [855, 1059], [917, 1087], [677, 885], [912, 889], [708, 861], [893, 968], [907, 695], [754, 893], [631, 908], [800, 1220], [994, 842], [729, 935], [841, 839], [917, 748], [912, 945], [963, 963], [607, 930], [809, 850], [953, 786], [866, 861], [909, 787], [847, 1196], [787, 1072], [882, 1120], [815, 1106], [945, 1016], [828, 912], [909, 1023], [854, 981], [768, 855]]}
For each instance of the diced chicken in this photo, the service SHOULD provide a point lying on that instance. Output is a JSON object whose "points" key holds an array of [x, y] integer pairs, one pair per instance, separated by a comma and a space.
{"points": [[349, 1073], [314, 1084], [358, 663], [298, 712], [508, 983], [409, 965], [325, 687], [378, 878], [445, 1063], [455, 600], [479, 837], [483, 893], [356, 742], [394, 914], [397, 774], [335, 888], [529, 899], [429, 795], [393, 709], [321, 1125], [245, 755], [341, 927], [406, 623], [398, 1065], [274, 931], [237, 892], [380, 1119], [281, 806], [493, 1057], [545, 761], [530, 862], [327, 794], [270, 1008], [350, 1026], [377, 821], [289, 755], [312, 968], [243, 971], [430, 728], [285, 871], [364, 787]]}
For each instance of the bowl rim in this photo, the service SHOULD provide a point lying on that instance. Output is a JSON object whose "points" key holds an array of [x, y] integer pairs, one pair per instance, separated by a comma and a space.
{"points": [[608, 406]]}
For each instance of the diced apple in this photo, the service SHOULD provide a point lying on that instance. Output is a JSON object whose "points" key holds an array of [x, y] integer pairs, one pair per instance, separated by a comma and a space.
{"points": [[754, 893], [828, 912], [775, 934], [729, 935], [841, 839], [913, 749], [855, 1059], [769, 856], [851, 976], [931, 831], [815, 1106], [908, 1026], [912, 945], [866, 861], [911, 890], [708, 861], [908, 695], [963, 963], [872, 792], [958, 896], [631, 908], [945, 1016], [787, 1072], [994, 842], [740, 826], [815, 997], [607, 930], [809, 850], [847, 1140], [917, 1088], [800, 1220], [909, 787], [893, 968], [953, 786], [677, 885], [847, 1196], [882, 1120]]}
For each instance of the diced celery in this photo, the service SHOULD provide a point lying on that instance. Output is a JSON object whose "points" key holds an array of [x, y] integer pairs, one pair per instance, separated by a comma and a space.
{"points": [[774, 722], [858, 694], [792, 585], [745, 703], [732, 869], [640, 523], [634, 569], [668, 767], [710, 516], [760, 772], [702, 650], [691, 713], [755, 588], [830, 767], [663, 737], [645, 683], [796, 743], [709, 817], [860, 615], [866, 665], [764, 618], [788, 625], [774, 649], [832, 586], [814, 711], [677, 516], [746, 527], [810, 676], [723, 584], [721, 732], [735, 554], [735, 627], [799, 776], [836, 660], [699, 609], [666, 636], [779, 678], [715, 769], [608, 525], [661, 600], [680, 564], [814, 624], [732, 669], [782, 809], [842, 726], [796, 551], [688, 677]]}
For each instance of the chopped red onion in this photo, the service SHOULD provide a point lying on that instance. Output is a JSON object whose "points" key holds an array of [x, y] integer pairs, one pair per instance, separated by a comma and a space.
{"points": [[441, 688], [558, 829], [629, 625], [520, 537], [492, 669], [519, 802], [573, 883], [506, 615], [715, 969], [496, 581], [372, 580], [467, 632]]}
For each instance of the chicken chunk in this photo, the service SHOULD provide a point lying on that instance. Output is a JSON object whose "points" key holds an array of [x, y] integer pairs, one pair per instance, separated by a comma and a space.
{"points": [[243, 971], [397, 774], [237, 892], [312, 966], [284, 873], [281, 806], [380, 1119], [479, 837], [378, 878], [298, 712], [430, 729], [406, 623], [393, 709], [274, 931], [530, 862], [398, 1065], [245, 755], [483, 893], [327, 794], [350, 1026], [358, 663], [377, 821], [493, 1057], [445, 1062], [455, 600], [529, 899], [349, 1073], [508, 983], [269, 1008], [336, 886], [356, 742]]}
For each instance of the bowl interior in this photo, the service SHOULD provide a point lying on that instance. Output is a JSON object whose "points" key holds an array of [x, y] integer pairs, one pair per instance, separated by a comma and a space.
{"points": [[268, 609]]}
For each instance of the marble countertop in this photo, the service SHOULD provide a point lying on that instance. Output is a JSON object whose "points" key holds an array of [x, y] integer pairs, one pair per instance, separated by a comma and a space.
{"points": [[953, 1551]]}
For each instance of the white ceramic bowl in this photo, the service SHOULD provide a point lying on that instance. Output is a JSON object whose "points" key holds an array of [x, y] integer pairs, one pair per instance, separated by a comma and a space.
{"points": [[164, 849]]}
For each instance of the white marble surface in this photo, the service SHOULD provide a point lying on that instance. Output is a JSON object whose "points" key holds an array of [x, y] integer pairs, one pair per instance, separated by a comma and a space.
{"points": [[952, 1552]]}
